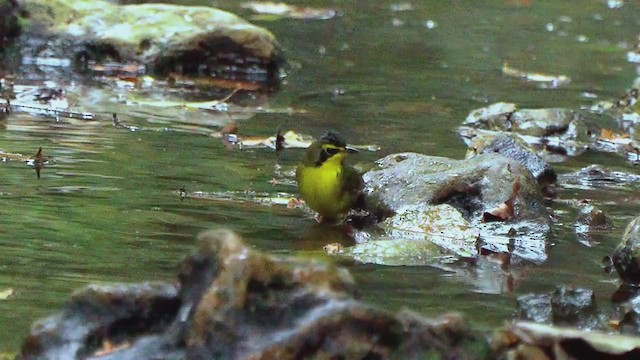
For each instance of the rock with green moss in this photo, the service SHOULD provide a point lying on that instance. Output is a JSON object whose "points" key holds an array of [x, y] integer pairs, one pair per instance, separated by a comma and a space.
{"points": [[188, 39]]}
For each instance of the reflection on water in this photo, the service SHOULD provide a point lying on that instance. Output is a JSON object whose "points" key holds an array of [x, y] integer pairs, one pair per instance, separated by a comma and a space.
{"points": [[108, 207]]}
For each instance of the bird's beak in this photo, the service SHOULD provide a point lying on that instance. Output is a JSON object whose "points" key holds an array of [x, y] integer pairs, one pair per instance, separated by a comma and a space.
{"points": [[349, 149]]}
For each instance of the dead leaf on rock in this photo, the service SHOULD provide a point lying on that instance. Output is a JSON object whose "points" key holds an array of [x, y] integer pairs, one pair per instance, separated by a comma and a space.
{"points": [[607, 134], [290, 11], [294, 203], [108, 347], [505, 211], [6, 293]]}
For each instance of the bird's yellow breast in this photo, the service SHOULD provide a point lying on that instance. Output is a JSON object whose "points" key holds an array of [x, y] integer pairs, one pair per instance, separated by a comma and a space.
{"points": [[322, 189]]}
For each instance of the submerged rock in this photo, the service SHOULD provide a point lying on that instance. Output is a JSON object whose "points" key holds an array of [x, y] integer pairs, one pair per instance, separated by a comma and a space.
{"points": [[626, 256], [493, 205], [565, 306], [187, 39], [236, 303], [589, 222]]}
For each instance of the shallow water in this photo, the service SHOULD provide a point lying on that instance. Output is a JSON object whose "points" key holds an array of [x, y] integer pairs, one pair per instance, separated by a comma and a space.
{"points": [[107, 208]]}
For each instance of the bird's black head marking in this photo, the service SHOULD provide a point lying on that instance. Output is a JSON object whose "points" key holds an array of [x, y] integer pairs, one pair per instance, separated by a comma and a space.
{"points": [[334, 138]]}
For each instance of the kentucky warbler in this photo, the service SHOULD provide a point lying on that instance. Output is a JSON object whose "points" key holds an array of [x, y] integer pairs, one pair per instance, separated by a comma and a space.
{"points": [[327, 184]]}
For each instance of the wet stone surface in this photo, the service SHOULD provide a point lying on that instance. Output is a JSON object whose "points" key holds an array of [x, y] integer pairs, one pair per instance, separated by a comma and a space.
{"points": [[236, 303], [564, 306], [189, 40], [516, 149], [626, 256], [494, 205]]}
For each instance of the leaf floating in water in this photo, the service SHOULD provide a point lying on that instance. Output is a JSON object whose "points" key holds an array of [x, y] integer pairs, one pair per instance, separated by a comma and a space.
{"points": [[37, 162], [6, 293], [280, 142], [208, 81], [553, 81], [290, 11], [190, 105], [291, 140], [127, 70]]}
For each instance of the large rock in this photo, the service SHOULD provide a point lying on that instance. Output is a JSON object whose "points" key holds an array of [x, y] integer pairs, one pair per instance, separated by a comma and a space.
{"points": [[9, 27], [236, 303], [476, 185], [188, 39], [438, 210], [626, 256]]}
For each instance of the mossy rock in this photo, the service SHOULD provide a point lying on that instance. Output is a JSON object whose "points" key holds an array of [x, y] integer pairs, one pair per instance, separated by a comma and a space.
{"points": [[195, 40]]}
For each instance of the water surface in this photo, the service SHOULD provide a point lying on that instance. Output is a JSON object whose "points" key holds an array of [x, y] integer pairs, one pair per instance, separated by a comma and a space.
{"points": [[107, 207]]}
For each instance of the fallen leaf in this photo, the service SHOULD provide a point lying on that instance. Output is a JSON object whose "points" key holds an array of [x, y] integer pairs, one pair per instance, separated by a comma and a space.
{"points": [[38, 161], [294, 202], [607, 134], [505, 211], [108, 347], [177, 79], [280, 142], [190, 105], [6, 293]]}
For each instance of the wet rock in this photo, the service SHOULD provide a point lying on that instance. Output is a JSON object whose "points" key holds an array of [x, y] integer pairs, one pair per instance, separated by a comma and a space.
{"points": [[630, 316], [527, 340], [565, 306], [626, 256], [516, 149], [419, 235], [236, 303], [9, 26], [489, 195], [598, 177], [589, 222], [475, 185], [533, 122], [561, 131], [97, 313], [191, 40]]}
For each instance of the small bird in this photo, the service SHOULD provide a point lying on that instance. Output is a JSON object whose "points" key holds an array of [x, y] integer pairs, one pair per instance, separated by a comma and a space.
{"points": [[327, 184]]}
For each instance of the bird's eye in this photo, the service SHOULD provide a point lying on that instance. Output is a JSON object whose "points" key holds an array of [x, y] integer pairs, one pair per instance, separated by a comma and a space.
{"points": [[332, 151]]}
